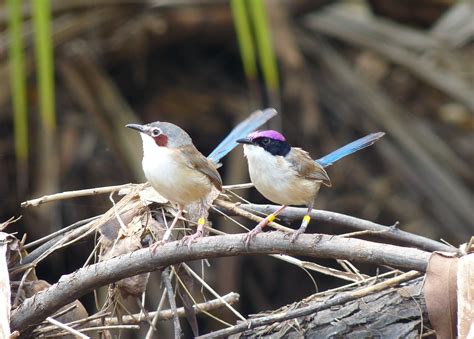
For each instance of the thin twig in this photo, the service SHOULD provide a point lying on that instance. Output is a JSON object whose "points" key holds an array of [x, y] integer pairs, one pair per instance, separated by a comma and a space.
{"points": [[99, 328], [308, 265], [74, 194], [46, 329], [311, 309], [238, 186], [110, 327], [238, 210], [75, 235], [59, 232], [184, 287], [66, 328], [166, 280], [20, 287], [66, 310], [163, 315], [67, 240], [357, 283], [152, 327], [213, 292]]}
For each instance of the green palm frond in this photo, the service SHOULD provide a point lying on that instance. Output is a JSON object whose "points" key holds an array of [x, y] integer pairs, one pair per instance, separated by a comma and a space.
{"points": [[44, 61], [253, 32], [244, 37], [18, 80], [263, 37]]}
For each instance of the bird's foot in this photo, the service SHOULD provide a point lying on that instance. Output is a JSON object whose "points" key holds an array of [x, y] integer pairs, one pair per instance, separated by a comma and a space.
{"points": [[189, 239], [157, 244], [250, 235], [295, 235], [300, 230], [253, 233]]}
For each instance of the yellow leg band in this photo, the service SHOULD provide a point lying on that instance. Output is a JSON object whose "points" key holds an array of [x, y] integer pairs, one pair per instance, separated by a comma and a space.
{"points": [[271, 217], [306, 219], [201, 221]]}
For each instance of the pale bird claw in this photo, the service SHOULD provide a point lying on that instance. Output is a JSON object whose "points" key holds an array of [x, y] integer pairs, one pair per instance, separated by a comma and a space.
{"points": [[189, 239], [258, 229], [157, 244], [295, 235], [249, 236]]}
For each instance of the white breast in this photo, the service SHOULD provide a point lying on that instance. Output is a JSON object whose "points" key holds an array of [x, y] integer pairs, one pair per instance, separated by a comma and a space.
{"points": [[276, 180], [170, 176]]}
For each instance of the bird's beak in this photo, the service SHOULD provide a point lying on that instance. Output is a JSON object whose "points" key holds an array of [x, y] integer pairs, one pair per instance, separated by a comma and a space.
{"points": [[139, 128], [244, 141]]}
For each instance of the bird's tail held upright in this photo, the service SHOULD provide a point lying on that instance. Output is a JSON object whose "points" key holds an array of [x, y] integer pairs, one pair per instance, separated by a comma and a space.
{"points": [[254, 121], [350, 148]]}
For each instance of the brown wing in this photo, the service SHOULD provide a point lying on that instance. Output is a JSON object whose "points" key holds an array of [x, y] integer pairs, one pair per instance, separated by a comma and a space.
{"points": [[196, 160], [307, 167]]}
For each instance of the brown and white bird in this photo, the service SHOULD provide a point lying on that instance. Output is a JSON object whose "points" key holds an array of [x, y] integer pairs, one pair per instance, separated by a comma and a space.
{"points": [[179, 172], [288, 175]]}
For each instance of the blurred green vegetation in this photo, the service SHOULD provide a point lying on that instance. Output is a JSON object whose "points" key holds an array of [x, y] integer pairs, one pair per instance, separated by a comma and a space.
{"points": [[254, 33], [44, 62], [18, 81], [18, 78]]}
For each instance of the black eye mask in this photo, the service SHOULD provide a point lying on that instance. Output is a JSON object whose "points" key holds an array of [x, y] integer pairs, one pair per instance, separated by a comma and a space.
{"points": [[275, 147]]}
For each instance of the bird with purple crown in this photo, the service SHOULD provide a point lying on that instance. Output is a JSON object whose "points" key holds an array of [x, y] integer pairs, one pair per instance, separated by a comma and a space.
{"points": [[288, 175]]}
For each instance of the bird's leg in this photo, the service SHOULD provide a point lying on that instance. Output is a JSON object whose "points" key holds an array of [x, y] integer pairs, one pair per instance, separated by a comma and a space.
{"points": [[189, 239], [259, 228], [304, 223], [167, 234]]}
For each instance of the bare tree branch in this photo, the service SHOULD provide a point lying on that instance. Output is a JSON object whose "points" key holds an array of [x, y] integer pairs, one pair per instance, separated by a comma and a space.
{"points": [[385, 232], [337, 300], [72, 286]]}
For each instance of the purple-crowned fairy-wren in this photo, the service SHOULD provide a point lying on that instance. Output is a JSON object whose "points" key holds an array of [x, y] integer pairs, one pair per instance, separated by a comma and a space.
{"points": [[288, 175]]}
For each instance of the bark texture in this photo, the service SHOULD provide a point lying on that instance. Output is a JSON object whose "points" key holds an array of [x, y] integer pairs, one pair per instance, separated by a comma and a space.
{"points": [[393, 313]]}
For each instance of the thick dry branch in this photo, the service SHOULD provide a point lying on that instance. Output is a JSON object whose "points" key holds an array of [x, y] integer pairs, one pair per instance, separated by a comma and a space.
{"points": [[310, 309], [70, 287], [384, 232]]}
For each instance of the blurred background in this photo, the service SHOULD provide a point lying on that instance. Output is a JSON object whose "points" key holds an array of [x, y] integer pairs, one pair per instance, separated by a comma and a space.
{"points": [[75, 72]]}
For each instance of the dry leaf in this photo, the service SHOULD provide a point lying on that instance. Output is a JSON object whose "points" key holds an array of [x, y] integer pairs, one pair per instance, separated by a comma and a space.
{"points": [[440, 293], [116, 240], [465, 283]]}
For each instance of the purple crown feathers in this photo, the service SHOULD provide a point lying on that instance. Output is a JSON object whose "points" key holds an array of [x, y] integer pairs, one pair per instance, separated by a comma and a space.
{"points": [[267, 134]]}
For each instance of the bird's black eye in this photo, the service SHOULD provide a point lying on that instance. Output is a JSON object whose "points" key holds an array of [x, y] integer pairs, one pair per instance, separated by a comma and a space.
{"points": [[265, 141], [155, 132]]}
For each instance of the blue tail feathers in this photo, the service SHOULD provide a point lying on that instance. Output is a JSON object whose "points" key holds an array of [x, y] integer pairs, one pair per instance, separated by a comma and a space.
{"points": [[350, 148], [243, 129]]}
